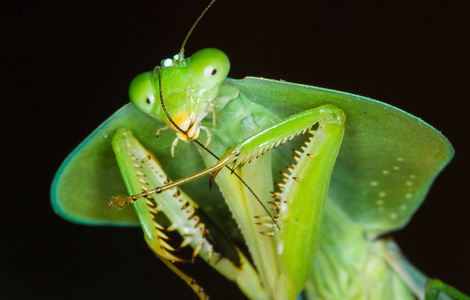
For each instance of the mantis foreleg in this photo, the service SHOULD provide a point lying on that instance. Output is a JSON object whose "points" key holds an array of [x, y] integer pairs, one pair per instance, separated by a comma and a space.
{"points": [[300, 200], [252, 147], [140, 169]]}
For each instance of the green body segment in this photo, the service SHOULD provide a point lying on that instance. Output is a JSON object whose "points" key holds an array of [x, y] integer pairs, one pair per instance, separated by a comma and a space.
{"points": [[437, 290], [348, 265]]}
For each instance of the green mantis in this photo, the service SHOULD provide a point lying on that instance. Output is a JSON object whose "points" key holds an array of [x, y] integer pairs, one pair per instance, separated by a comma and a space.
{"points": [[242, 112]]}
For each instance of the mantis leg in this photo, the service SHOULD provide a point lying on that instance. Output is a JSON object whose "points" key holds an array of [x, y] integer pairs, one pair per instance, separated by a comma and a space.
{"points": [[253, 147], [283, 262], [141, 170], [436, 289], [283, 256]]}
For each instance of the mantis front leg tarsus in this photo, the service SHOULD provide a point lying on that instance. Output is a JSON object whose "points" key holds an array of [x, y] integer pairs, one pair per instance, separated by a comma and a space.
{"points": [[122, 201]]}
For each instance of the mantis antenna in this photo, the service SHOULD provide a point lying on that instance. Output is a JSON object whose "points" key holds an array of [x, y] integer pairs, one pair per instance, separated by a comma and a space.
{"points": [[205, 148], [194, 26]]}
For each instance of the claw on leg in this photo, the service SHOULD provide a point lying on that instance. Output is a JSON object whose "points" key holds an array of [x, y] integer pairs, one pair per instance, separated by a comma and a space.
{"points": [[173, 146], [209, 135], [160, 130], [212, 110], [121, 201]]}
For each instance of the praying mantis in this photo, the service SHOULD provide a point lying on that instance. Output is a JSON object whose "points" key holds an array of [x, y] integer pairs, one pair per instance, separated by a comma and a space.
{"points": [[229, 97]]}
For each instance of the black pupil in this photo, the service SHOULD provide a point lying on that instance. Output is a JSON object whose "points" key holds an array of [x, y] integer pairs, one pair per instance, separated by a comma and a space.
{"points": [[214, 71], [148, 100]]}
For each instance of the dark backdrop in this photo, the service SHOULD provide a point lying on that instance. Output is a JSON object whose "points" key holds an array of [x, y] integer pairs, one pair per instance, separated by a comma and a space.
{"points": [[67, 68]]}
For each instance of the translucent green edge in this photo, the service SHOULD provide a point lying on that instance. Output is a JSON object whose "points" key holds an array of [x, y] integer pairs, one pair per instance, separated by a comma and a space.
{"points": [[82, 212], [90, 174]]}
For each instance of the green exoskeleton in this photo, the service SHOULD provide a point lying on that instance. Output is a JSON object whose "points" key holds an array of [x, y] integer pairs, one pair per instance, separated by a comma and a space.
{"points": [[345, 180]]}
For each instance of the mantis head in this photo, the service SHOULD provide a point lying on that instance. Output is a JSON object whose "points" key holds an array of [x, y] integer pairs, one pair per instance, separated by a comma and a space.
{"points": [[188, 87]]}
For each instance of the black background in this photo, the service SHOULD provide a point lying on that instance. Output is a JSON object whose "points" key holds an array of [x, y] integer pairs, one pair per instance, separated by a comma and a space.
{"points": [[68, 65]]}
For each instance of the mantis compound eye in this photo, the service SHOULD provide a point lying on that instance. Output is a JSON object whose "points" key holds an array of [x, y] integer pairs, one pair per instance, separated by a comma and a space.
{"points": [[142, 92], [208, 67]]}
